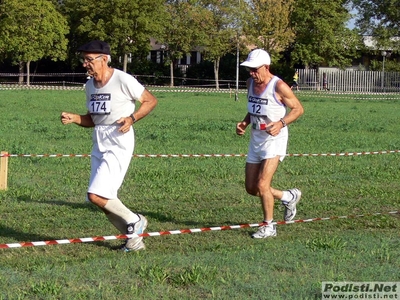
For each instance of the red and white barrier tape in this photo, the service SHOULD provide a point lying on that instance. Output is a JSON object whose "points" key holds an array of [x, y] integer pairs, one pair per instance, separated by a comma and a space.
{"points": [[181, 231], [208, 155], [80, 87], [188, 89]]}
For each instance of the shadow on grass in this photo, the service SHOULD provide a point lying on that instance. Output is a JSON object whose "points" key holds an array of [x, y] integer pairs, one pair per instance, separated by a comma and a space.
{"points": [[24, 237], [8, 232], [162, 218], [189, 224], [82, 205]]}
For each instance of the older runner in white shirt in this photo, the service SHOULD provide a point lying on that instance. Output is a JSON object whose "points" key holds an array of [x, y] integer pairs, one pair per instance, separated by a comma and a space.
{"points": [[111, 96]]}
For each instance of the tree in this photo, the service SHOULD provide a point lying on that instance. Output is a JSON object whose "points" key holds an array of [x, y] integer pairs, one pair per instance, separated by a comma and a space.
{"points": [[31, 30], [126, 25], [322, 38], [222, 28], [381, 19], [184, 25], [269, 24]]}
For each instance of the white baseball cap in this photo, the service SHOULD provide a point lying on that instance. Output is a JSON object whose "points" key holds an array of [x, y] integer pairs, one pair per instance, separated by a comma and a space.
{"points": [[256, 59]]}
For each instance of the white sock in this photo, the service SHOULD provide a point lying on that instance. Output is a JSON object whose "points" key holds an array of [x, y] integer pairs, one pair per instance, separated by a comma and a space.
{"points": [[116, 207], [119, 223], [268, 222], [287, 197]]}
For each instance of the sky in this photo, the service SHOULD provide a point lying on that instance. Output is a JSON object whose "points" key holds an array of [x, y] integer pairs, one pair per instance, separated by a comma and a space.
{"points": [[351, 24]]}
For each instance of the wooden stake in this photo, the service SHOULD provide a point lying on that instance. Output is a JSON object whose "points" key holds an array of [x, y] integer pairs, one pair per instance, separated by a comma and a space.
{"points": [[3, 170]]}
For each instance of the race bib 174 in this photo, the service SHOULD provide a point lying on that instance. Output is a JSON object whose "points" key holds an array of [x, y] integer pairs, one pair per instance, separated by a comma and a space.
{"points": [[100, 104]]}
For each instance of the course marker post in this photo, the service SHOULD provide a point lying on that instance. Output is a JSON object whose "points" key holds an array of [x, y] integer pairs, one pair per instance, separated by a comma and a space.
{"points": [[3, 170]]}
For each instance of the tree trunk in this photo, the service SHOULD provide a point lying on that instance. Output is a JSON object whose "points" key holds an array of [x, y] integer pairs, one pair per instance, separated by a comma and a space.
{"points": [[216, 73], [28, 70], [21, 72], [125, 66], [35, 71], [171, 68]]}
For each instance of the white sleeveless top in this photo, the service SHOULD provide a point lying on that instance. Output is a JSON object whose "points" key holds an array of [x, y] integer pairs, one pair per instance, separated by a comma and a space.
{"points": [[265, 108]]}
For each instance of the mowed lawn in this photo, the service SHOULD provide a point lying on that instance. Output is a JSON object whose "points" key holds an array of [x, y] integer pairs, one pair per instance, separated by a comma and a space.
{"points": [[45, 201]]}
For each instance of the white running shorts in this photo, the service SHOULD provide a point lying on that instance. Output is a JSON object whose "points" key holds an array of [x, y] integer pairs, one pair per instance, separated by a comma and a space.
{"points": [[111, 155], [269, 147]]}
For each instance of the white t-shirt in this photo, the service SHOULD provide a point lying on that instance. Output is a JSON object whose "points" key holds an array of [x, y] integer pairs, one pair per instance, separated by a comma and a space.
{"points": [[114, 100]]}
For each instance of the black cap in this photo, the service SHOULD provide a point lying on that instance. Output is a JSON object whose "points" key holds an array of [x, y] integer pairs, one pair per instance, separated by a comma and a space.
{"points": [[96, 47]]}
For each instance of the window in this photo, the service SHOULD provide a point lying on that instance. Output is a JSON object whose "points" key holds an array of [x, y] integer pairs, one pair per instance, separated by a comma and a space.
{"points": [[193, 58]]}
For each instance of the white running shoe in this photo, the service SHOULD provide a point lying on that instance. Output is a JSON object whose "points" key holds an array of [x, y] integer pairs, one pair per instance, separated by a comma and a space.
{"points": [[290, 208], [264, 232], [135, 243]]}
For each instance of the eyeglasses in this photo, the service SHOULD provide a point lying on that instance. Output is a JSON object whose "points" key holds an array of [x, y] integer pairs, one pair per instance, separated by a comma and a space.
{"points": [[254, 70], [89, 59]]}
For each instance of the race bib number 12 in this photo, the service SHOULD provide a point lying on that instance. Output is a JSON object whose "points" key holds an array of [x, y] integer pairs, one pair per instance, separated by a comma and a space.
{"points": [[257, 106]]}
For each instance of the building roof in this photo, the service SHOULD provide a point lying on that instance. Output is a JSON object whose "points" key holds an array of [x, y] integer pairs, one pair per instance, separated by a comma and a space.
{"points": [[371, 43]]}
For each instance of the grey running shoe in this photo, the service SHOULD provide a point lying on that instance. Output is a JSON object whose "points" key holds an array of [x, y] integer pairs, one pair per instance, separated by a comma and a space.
{"points": [[135, 243], [264, 232], [290, 208]]}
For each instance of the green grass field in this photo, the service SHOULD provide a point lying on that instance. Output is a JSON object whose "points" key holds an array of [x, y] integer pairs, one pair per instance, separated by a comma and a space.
{"points": [[45, 200]]}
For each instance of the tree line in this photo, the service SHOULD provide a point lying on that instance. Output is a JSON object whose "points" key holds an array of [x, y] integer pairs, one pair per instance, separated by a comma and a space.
{"points": [[308, 33]]}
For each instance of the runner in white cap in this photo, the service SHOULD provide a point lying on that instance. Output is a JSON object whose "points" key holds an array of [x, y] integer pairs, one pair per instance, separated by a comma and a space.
{"points": [[268, 97]]}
